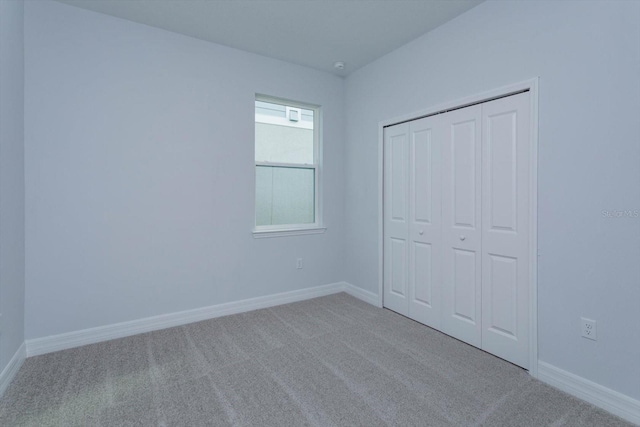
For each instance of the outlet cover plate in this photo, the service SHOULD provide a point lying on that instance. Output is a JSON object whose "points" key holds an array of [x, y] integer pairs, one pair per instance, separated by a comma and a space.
{"points": [[589, 330]]}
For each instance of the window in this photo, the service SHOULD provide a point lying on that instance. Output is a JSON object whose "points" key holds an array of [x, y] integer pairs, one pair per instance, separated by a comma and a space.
{"points": [[287, 168]]}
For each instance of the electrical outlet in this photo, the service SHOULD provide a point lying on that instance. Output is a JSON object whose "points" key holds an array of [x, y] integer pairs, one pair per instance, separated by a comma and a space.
{"points": [[589, 330], [299, 263]]}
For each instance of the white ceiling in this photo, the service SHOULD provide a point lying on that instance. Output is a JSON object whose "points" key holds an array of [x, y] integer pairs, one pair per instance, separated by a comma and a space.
{"points": [[314, 33]]}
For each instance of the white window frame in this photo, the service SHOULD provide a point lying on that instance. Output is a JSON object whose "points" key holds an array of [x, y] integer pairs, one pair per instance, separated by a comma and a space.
{"points": [[281, 230]]}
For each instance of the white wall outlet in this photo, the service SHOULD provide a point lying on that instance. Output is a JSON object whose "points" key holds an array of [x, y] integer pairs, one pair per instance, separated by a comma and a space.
{"points": [[589, 329], [299, 263]]}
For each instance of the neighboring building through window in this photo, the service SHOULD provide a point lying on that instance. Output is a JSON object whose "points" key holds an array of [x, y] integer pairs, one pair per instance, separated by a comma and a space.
{"points": [[286, 156]]}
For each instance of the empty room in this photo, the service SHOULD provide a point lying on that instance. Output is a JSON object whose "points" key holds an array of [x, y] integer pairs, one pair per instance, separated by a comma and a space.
{"points": [[319, 212]]}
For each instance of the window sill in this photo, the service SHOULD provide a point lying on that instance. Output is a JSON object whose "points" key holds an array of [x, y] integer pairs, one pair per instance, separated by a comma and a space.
{"points": [[262, 234]]}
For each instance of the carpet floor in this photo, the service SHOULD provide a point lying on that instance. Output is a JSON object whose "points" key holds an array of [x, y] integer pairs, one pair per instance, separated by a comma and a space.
{"points": [[330, 361]]}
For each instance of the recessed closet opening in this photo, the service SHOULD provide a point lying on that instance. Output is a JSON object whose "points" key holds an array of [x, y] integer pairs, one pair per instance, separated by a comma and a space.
{"points": [[458, 201]]}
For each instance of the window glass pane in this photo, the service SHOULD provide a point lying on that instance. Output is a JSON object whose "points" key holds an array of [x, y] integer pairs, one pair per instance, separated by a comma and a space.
{"points": [[283, 144], [307, 115], [270, 109], [283, 135], [285, 195], [279, 110]]}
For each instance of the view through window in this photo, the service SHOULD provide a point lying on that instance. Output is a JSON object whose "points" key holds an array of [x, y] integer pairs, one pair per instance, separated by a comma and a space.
{"points": [[286, 146]]}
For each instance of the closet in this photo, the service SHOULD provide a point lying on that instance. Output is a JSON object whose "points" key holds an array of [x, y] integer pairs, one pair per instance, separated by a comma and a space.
{"points": [[456, 230]]}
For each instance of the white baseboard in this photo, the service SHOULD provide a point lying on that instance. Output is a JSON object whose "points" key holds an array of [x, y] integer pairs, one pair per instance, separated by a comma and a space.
{"points": [[360, 293], [596, 394], [12, 368], [79, 338]]}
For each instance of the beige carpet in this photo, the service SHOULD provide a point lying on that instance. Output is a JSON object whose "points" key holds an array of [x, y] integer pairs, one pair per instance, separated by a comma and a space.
{"points": [[331, 361]]}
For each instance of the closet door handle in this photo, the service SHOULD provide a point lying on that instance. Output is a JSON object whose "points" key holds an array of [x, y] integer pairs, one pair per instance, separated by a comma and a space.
{"points": [[421, 232], [462, 237]]}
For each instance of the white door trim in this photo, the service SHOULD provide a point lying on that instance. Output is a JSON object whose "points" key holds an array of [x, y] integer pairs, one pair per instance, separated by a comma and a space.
{"points": [[532, 86]]}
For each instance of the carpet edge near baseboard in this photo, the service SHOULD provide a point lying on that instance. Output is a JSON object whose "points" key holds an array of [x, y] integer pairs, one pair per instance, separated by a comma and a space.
{"points": [[610, 400], [9, 372], [64, 341]]}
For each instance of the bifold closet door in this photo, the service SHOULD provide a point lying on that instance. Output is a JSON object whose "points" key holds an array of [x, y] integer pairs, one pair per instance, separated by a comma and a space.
{"points": [[461, 224], [396, 218], [505, 228], [457, 224], [425, 238], [412, 230]]}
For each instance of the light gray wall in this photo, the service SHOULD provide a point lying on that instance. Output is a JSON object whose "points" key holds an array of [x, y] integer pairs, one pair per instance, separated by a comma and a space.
{"points": [[587, 55], [11, 179], [140, 173]]}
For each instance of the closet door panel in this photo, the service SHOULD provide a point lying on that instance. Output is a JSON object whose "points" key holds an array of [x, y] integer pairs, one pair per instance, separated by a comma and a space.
{"points": [[465, 285], [396, 218], [457, 224], [461, 232], [505, 228], [424, 228], [463, 150]]}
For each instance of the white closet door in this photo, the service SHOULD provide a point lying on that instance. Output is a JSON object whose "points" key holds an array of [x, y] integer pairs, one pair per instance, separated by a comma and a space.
{"points": [[396, 218], [505, 228], [425, 224], [461, 224]]}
